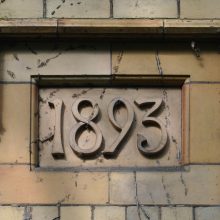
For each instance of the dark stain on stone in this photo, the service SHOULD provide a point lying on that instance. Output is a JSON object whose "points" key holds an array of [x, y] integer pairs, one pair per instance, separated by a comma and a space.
{"points": [[119, 58], [44, 63], [195, 49], [30, 49], [2, 1], [53, 93], [184, 184], [58, 6], [79, 94], [102, 94], [42, 100], [160, 70], [28, 68], [16, 57], [165, 190], [11, 74]]}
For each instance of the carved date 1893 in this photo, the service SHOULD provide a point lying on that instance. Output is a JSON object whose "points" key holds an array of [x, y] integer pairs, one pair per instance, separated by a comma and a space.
{"points": [[88, 123]]}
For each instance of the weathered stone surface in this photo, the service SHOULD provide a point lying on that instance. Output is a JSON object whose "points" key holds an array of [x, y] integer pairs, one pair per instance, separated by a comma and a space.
{"points": [[184, 26], [199, 9], [144, 9], [43, 212], [21, 9], [15, 123], [46, 187], [122, 188], [11, 213], [167, 59], [182, 60], [78, 9], [108, 26], [174, 213], [76, 213], [134, 59], [109, 213], [50, 58], [180, 187], [204, 213], [152, 212], [28, 26], [204, 123], [104, 144]]}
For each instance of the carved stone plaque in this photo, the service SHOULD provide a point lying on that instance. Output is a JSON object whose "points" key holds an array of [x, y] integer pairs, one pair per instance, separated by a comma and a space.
{"points": [[109, 127]]}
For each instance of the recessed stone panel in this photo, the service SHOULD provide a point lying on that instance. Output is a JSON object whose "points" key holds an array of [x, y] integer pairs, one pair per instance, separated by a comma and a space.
{"points": [[123, 128]]}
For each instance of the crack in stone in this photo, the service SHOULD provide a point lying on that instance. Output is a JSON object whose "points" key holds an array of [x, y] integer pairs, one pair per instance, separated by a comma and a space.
{"points": [[58, 7], [81, 93], [16, 57], [160, 70], [30, 49], [44, 63], [11, 74], [102, 94], [138, 205], [165, 190], [184, 184], [119, 58]]}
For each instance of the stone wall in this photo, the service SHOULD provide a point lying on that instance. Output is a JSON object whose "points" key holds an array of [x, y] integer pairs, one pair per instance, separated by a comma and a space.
{"points": [[191, 193], [184, 9]]}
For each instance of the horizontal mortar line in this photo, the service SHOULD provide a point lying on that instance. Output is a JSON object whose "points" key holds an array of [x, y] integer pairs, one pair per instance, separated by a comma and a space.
{"points": [[203, 82], [16, 82], [159, 78], [206, 164], [112, 169], [105, 205], [15, 164]]}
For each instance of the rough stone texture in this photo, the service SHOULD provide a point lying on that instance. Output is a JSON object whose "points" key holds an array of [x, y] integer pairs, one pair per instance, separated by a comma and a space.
{"points": [[199, 9], [174, 213], [44, 212], [182, 60], [109, 213], [173, 59], [28, 26], [134, 59], [76, 213], [51, 187], [122, 188], [204, 123], [108, 26], [21, 9], [177, 26], [152, 212], [78, 9], [50, 58], [15, 123], [144, 9], [204, 213], [180, 187], [11, 213]]}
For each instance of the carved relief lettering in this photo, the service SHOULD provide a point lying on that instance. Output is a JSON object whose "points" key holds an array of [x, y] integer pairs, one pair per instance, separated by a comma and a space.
{"points": [[124, 125]]}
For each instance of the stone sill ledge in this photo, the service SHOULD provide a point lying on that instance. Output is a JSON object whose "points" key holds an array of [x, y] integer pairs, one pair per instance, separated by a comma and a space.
{"points": [[110, 27]]}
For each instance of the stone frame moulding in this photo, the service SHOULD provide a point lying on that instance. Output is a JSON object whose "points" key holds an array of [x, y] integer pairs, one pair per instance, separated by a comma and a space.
{"points": [[110, 28], [39, 82]]}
